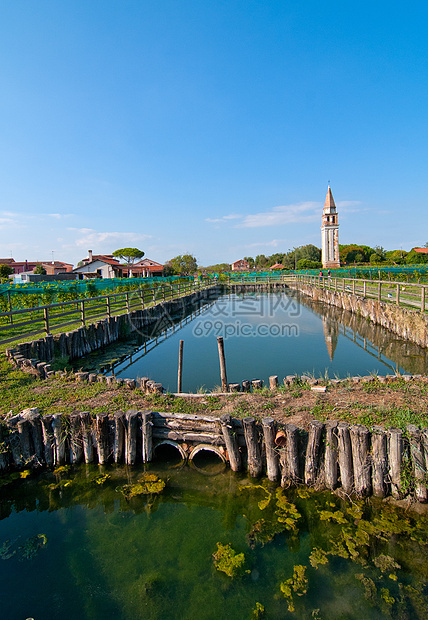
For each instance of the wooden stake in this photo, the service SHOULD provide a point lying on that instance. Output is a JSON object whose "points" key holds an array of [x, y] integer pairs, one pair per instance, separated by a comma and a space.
{"points": [[290, 456], [180, 366], [312, 452], [395, 445], [331, 455], [345, 457], [254, 461], [380, 461], [222, 359], [418, 462], [227, 428], [147, 444], [360, 440], [272, 458]]}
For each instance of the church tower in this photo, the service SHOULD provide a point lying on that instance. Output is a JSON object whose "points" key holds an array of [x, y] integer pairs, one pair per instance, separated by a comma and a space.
{"points": [[330, 233]]}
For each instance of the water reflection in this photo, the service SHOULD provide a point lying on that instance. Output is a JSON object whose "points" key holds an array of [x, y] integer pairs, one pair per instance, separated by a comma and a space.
{"points": [[280, 333]]}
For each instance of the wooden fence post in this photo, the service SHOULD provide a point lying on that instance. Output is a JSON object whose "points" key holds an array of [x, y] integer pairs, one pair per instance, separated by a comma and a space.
{"points": [[380, 461], [312, 452], [423, 299], [360, 439], [46, 319], [397, 294], [82, 312]]}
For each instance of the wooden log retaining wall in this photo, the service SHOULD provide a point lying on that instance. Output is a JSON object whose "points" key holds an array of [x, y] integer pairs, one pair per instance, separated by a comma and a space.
{"points": [[350, 458], [86, 339]]}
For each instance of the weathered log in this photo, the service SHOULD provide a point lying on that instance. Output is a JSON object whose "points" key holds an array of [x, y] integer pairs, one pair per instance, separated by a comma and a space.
{"points": [[48, 440], [380, 461], [331, 454], [229, 436], [180, 366], [418, 462], [76, 444], [234, 387], [395, 453], [4, 460], [360, 440], [36, 434], [313, 452], [87, 437], [147, 440], [14, 443], [257, 384], [23, 427], [132, 419], [101, 434], [273, 382], [272, 457], [254, 460], [289, 456], [59, 427], [246, 386], [345, 457], [119, 437]]}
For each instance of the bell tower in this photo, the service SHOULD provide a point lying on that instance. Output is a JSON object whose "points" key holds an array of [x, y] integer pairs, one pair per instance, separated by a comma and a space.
{"points": [[330, 233]]}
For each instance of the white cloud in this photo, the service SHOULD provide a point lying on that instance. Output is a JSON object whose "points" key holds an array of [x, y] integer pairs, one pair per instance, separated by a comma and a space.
{"points": [[225, 218], [265, 244], [287, 214], [58, 216], [92, 239]]}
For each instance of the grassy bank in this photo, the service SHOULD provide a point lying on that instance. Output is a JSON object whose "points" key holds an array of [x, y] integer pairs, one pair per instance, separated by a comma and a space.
{"points": [[396, 403]]}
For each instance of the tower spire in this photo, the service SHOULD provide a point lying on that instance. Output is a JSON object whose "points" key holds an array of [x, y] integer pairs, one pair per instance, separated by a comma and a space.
{"points": [[330, 233]]}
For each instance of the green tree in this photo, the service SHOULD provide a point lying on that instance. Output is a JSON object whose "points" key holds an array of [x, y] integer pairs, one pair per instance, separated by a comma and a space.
{"points": [[184, 264], [39, 270], [219, 268], [5, 270], [250, 261], [129, 255]]}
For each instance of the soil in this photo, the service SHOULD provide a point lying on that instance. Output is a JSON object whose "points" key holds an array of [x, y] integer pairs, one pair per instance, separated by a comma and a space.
{"points": [[394, 403]]}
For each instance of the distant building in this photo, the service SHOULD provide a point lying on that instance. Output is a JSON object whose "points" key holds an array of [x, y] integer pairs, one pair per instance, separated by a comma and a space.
{"points": [[277, 266], [421, 250], [241, 265], [51, 267], [330, 233], [106, 266]]}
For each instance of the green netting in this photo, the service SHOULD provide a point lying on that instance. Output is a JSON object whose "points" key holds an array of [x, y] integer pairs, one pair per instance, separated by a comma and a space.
{"points": [[31, 295]]}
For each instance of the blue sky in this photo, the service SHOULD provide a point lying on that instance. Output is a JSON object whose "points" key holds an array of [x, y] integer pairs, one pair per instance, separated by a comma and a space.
{"points": [[211, 127]]}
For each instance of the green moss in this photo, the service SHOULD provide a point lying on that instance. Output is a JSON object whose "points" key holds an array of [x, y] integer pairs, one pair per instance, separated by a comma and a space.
{"points": [[297, 584], [147, 484], [228, 561], [318, 557], [258, 612]]}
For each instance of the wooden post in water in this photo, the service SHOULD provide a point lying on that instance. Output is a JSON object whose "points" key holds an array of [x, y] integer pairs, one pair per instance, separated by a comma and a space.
{"points": [[360, 440], [290, 456], [418, 462], [180, 366], [131, 418], [35, 426], [395, 437], [222, 364], [147, 435], [59, 432], [48, 440], [272, 459], [313, 452], [331, 455], [119, 437], [76, 445], [254, 460], [87, 437], [229, 436], [380, 461], [101, 435], [246, 386], [345, 457]]}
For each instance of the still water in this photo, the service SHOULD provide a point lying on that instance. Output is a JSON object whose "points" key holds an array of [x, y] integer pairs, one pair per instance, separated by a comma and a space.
{"points": [[264, 334], [73, 546]]}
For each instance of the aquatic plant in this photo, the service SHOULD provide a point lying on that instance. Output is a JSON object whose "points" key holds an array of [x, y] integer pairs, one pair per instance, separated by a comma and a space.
{"points": [[147, 484], [258, 611], [318, 557], [228, 561], [297, 584], [286, 512]]}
